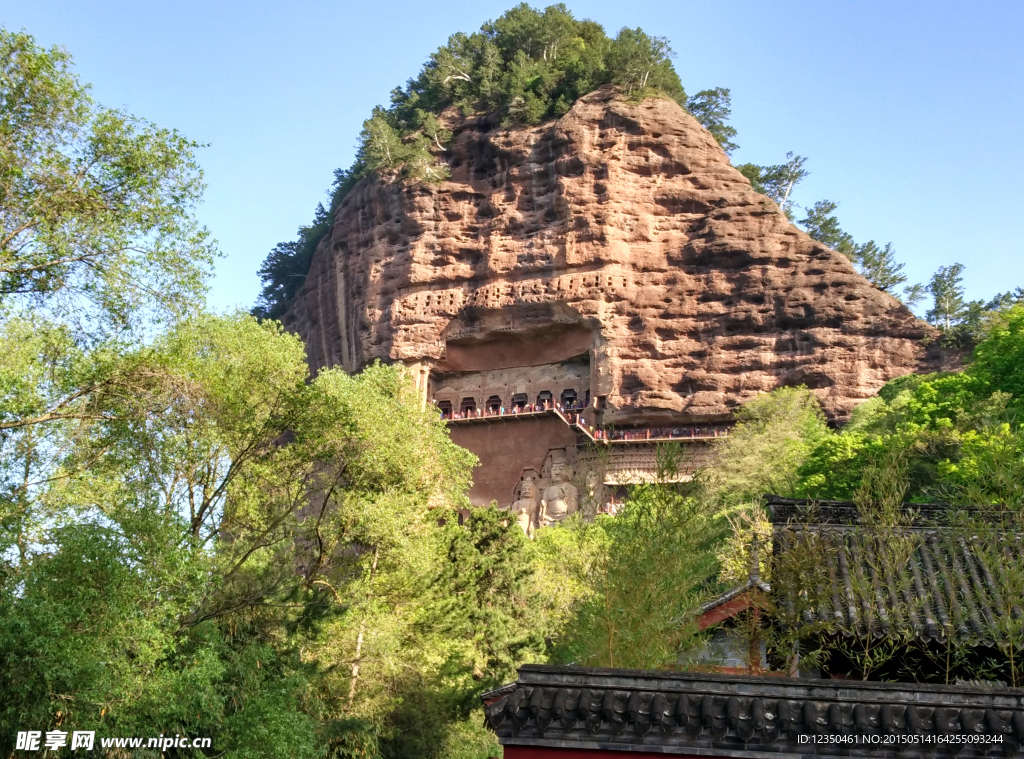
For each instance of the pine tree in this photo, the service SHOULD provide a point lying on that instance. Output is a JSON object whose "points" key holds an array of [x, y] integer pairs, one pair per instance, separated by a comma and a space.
{"points": [[484, 599], [877, 264], [637, 60], [824, 227], [712, 109], [947, 291], [880, 267], [779, 181], [380, 145]]}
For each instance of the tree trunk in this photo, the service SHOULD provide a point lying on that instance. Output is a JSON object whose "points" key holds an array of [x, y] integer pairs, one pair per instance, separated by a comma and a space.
{"points": [[362, 631]]}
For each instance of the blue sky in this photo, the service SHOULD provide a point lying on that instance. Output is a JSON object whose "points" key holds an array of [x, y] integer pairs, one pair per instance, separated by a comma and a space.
{"points": [[910, 112]]}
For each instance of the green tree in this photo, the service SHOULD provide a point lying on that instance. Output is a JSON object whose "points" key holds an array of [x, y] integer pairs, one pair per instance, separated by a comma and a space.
{"points": [[774, 435], [434, 130], [380, 145], [480, 620], [659, 564], [138, 494], [712, 108], [879, 265], [638, 61], [823, 226], [912, 294], [947, 291], [96, 205], [979, 317], [196, 537], [882, 270], [259, 529], [779, 181], [383, 150], [485, 599], [998, 361]]}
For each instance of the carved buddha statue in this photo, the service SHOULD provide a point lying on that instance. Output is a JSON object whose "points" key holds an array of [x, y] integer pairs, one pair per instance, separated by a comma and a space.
{"points": [[560, 498], [525, 509]]}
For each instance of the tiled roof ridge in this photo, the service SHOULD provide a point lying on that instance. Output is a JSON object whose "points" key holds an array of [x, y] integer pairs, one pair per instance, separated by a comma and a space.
{"points": [[733, 715], [846, 513], [735, 592], [532, 674]]}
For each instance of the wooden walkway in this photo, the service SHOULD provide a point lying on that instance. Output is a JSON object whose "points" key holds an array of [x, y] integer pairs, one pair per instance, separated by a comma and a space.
{"points": [[574, 420]]}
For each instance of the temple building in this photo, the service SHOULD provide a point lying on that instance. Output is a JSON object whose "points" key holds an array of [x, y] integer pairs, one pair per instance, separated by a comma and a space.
{"points": [[913, 592]]}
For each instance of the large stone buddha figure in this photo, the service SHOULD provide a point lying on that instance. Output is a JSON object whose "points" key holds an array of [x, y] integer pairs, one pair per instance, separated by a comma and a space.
{"points": [[525, 509], [560, 499]]}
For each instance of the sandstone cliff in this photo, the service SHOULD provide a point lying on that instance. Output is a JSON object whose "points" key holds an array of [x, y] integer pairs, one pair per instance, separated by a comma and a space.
{"points": [[620, 231]]}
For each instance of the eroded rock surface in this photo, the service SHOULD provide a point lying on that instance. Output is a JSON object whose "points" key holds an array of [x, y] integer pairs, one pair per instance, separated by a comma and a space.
{"points": [[619, 231]]}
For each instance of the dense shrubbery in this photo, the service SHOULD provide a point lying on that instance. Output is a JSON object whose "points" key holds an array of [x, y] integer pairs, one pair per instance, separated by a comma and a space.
{"points": [[938, 420], [196, 537]]}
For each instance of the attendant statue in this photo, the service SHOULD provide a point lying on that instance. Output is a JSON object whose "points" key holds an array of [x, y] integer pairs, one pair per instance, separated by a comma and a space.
{"points": [[560, 498], [592, 486], [525, 509]]}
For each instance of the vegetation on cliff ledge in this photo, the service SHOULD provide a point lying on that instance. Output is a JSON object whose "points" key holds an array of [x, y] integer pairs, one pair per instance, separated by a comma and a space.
{"points": [[526, 67]]}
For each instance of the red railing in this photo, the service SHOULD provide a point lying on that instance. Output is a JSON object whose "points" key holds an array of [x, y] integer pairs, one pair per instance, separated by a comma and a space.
{"points": [[688, 432], [573, 416]]}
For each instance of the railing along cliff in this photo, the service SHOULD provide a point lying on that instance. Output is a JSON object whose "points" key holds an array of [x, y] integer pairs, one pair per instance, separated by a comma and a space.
{"points": [[609, 436]]}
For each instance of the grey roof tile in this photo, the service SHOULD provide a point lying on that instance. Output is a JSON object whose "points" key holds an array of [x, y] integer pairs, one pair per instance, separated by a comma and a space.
{"points": [[735, 716], [925, 578]]}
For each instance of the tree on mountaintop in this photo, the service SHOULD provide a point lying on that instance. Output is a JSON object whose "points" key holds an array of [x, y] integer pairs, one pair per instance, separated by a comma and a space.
{"points": [[777, 182], [947, 291], [712, 108], [878, 265], [823, 226]]}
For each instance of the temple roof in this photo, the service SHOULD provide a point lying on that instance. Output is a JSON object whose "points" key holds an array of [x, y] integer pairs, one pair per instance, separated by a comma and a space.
{"points": [[924, 578], [736, 716]]}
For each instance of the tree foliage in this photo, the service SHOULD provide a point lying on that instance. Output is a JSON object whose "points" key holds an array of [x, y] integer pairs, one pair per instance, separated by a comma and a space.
{"points": [[878, 265], [712, 108], [938, 420], [95, 204], [284, 270], [773, 436], [265, 546], [655, 563], [947, 291], [196, 536], [778, 181], [822, 225]]}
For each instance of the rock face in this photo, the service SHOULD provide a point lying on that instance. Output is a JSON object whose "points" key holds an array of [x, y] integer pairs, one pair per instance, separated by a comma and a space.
{"points": [[617, 237]]}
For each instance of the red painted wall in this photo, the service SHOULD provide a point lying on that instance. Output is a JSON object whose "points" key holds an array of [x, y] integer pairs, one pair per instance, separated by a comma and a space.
{"points": [[506, 448]]}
